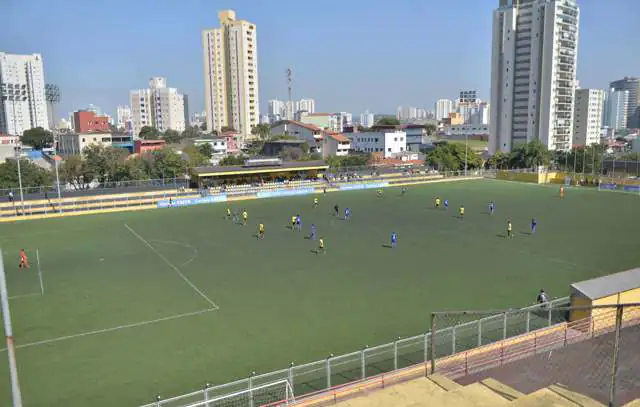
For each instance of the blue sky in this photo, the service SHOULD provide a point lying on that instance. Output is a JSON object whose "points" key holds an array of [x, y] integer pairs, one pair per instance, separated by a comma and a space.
{"points": [[349, 55]]}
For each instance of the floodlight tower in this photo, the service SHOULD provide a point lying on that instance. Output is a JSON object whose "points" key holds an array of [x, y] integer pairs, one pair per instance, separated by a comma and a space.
{"points": [[52, 96]]}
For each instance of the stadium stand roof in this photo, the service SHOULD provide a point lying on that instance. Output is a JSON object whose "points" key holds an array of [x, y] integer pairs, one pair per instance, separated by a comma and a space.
{"points": [[609, 285], [242, 169]]}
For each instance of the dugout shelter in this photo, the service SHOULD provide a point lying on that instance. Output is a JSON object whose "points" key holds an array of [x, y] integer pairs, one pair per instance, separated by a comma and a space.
{"points": [[617, 288], [256, 171]]}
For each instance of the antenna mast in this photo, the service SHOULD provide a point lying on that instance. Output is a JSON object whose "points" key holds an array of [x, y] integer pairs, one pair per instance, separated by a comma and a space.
{"points": [[290, 105]]}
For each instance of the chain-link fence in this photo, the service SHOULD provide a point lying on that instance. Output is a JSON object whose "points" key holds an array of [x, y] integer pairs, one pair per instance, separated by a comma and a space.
{"points": [[408, 354], [591, 350]]}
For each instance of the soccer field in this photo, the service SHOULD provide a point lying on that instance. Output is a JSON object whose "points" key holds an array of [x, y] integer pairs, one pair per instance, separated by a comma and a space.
{"points": [[163, 301]]}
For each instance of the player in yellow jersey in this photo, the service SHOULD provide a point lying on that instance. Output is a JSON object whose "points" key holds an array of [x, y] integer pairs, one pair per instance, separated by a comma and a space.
{"points": [[261, 231], [461, 212], [228, 216], [293, 223], [321, 247], [437, 202], [245, 218], [509, 230]]}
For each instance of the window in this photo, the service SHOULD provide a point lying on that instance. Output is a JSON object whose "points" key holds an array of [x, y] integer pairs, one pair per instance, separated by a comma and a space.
{"points": [[389, 149]]}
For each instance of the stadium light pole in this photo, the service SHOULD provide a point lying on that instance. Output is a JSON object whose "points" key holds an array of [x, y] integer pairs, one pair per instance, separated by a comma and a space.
{"points": [[466, 149], [17, 151], [11, 351], [56, 158]]}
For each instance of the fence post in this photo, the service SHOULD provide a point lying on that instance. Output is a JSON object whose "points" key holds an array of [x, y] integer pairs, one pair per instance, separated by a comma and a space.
{"points": [[328, 371], [251, 388], [363, 363], [453, 340], [206, 394], [395, 353], [480, 332], [549, 314], [426, 353], [616, 350], [504, 327], [291, 374], [528, 321], [433, 343]]}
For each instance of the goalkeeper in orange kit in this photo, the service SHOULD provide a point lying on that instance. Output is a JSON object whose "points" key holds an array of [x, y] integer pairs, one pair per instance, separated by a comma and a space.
{"points": [[24, 260]]}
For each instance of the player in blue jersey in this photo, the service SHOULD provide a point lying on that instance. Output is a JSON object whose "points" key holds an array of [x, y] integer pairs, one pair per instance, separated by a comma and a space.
{"points": [[394, 239], [446, 204], [298, 224], [313, 232], [347, 213], [492, 207], [534, 225]]}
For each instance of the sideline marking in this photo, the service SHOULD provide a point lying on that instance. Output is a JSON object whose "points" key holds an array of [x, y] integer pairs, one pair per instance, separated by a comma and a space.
{"points": [[115, 328], [176, 269], [15, 297]]}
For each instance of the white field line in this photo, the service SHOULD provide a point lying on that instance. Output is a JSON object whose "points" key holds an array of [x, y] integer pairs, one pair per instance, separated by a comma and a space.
{"points": [[15, 297], [186, 245], [114, 328], [176, 269], [39, 272]]}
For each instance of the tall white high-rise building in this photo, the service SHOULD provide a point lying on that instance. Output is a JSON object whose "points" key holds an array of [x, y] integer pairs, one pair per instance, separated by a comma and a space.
{"points": [[231, 74], [367, 119], [306, 105], [22, 97], [123, 116], [276, 110], [533, 73], [443, 108], [157, 106], [616, 112], [587, 121]]}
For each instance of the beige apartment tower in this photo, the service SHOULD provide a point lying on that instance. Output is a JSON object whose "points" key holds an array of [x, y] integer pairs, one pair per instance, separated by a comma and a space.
{"points": [[231, 74]]}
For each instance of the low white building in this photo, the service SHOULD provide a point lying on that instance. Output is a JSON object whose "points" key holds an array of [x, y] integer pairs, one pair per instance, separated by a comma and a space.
{"points": [[387, 142], [467, 130], [75, 143], [335, 144], [218, 144], [312, 134]]}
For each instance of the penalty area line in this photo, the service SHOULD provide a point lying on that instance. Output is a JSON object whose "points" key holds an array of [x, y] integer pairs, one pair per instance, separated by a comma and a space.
{"points": [[112, 329], [173, 267]]}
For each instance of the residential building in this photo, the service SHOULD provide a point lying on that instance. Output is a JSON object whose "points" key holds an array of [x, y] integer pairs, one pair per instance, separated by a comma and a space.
{"points": [[87, 122], [632, 85], [310, 133], [198, 119], [325, 121], [387, 143], [468, 96], [416, 135], [343, 119], [230, 56], [335, 144], [185, 102], [123, 117], [23, 105], [616, 109], [443, 108], [481, 114], [157, 106], [587, 121], [233, 141], [367, 119], [533, 73], [276, 110], [75, 143], [306, 105], [454, 119], [148, 146]]}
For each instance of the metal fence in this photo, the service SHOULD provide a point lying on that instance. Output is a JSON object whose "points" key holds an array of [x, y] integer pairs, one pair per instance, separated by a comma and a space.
{"points": [[592, 350], [372, 361]]}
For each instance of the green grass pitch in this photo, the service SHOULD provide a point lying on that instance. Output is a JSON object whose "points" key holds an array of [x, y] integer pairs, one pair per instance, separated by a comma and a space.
{"points": [[166, 300]]}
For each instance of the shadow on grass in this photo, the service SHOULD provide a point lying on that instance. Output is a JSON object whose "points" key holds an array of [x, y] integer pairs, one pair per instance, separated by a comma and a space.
{"points": [[387, 246], [500, 235]]}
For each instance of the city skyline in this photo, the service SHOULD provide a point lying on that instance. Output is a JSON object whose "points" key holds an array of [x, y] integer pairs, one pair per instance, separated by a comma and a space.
{"points": [[178, 54]]}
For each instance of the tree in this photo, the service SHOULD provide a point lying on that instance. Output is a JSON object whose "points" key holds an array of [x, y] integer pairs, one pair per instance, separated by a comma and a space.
{"points": [[363, 129], [138, 168], [196, 157], [166, 163], [149, 133], [106, 163], [38, 138], [171, 137], [74, 171], [430, 129], [351, 160], [191, 132], [232, 160], [530, 155], [388, 121], [262, 130], [206, 150], [499, 161], [203, 126], [451, 157], [32, 174]]}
